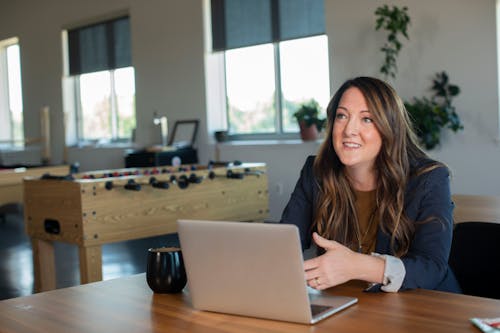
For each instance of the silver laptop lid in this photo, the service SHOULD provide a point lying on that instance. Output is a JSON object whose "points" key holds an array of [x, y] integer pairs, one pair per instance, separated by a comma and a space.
{"points": [[251, 269]]}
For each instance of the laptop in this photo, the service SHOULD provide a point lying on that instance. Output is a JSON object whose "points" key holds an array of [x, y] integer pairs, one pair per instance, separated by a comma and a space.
{"points": [[251, 269]]}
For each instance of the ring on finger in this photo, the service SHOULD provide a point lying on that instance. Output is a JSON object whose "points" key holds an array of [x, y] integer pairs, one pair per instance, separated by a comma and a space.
{"points": [[317, 281]]}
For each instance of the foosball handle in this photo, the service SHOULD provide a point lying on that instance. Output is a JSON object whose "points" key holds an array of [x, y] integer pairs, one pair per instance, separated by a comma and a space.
{"points": [[74, 168], [132, 186], [234, 175], [54, 177], [182, 182], [193, 178], [108, 185], [162, 185], [249, 172]]}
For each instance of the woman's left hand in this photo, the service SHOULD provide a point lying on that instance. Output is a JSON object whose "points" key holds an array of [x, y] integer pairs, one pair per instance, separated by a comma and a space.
{"points": [[333, 267]]}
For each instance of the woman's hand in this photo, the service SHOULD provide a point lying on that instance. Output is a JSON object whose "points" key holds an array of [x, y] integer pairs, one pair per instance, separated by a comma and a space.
{"points": [[334, 267], [339, 264]]}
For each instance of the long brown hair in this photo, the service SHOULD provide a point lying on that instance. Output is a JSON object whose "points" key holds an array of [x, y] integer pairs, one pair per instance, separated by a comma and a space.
{"points": [[336, 216]]}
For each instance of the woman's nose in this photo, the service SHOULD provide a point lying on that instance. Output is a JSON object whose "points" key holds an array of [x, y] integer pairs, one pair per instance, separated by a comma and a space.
{"points": [[352, 127]]}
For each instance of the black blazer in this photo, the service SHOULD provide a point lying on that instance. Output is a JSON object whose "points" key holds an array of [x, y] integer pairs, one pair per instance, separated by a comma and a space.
{"points": [[427, 195]]}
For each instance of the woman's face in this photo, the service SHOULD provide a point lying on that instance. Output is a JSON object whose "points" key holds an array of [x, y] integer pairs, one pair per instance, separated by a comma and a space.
{"points": [[355, 137]]}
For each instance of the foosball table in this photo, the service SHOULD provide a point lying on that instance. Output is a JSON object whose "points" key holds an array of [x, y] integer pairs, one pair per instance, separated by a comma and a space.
{"points": [[11, 180], [94, 208]]}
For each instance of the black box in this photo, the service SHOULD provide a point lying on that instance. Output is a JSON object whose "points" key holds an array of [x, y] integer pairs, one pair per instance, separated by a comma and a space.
{"points": [[143, 158]]}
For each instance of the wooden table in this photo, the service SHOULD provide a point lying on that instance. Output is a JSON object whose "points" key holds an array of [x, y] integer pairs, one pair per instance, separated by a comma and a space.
{"points": [[128, 305], [11, 180], [476, 208]]}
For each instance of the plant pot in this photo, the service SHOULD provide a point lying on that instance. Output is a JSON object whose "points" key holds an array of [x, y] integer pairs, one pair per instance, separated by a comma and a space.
{"points": [[220, 136], [308, 133]]}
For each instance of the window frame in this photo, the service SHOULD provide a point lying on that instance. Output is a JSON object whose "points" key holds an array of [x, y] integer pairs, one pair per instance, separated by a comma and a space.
{"points": [[278, 21], [113, 110], [10, 141], [75, 67], [279, 133]]}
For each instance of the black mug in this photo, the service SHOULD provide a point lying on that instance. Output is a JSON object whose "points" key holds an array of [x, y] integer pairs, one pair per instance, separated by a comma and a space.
{"points": [[165, 271]]}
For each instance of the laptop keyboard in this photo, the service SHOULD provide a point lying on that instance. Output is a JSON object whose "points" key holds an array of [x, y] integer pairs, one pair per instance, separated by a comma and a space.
{"points": [[316, 309]]}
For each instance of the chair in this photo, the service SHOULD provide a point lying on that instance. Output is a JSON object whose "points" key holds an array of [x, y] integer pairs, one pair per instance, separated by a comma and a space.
{"points": [[475, 258]]}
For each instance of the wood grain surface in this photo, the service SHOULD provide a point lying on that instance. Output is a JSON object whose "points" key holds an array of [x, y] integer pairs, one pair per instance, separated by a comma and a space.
{"points": [[476, 208], [128, 305]]}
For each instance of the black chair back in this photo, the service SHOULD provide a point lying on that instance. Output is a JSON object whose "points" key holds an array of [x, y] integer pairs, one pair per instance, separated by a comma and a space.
{"points": [[475, 258]]}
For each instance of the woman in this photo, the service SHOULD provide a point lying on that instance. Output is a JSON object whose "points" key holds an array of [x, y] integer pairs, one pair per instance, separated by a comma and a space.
{"points": [[376, 206]]}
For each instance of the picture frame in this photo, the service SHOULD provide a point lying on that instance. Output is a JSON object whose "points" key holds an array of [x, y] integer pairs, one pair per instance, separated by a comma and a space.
{"points": [[184, 133]]}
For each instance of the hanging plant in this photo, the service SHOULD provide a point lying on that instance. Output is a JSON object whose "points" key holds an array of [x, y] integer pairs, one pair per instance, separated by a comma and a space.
{"points": [[431, 115], [395, 22]]}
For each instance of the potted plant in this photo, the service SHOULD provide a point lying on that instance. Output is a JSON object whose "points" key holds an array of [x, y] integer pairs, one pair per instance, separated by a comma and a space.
{"points": [[310, 124], [429, 116]]}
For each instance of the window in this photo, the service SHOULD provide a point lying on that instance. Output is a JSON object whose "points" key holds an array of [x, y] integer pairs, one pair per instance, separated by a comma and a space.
{"points": [[107, 104], [102, 80], [252, 81], [11, 101], [275, 58]]}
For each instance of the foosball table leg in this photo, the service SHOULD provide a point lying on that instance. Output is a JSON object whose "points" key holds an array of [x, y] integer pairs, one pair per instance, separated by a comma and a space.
{"points": [[43, 265], [90, 263]]}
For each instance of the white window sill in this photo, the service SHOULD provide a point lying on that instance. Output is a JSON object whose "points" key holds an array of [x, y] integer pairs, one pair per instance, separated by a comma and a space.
{"points": [[268, 142], [108, 145]]}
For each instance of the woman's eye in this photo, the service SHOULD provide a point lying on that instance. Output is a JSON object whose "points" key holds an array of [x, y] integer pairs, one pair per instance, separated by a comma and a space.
{"points": [[340, 116], [368, 120]]}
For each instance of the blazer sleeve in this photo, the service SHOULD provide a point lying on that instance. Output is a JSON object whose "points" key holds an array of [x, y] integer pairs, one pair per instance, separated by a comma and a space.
{"points": [[299, 209], [431, 207]]}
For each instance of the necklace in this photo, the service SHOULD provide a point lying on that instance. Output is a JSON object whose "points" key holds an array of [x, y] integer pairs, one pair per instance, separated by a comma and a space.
{"points": [[366, 208], [360, 238]]}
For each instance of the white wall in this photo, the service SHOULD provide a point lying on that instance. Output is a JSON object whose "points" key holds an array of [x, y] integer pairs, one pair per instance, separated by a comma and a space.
{"points": [[458, 36]]}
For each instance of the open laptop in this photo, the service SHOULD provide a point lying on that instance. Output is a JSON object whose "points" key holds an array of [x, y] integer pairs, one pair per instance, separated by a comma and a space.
{"points": [[251, 269]]}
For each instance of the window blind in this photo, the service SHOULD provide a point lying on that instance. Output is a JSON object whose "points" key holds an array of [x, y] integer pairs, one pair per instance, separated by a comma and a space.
{"points": [[98, 47], [239, 23]]}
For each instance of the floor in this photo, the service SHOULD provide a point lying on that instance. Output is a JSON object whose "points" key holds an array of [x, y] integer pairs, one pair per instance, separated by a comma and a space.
{"points": [[16, 267]]}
